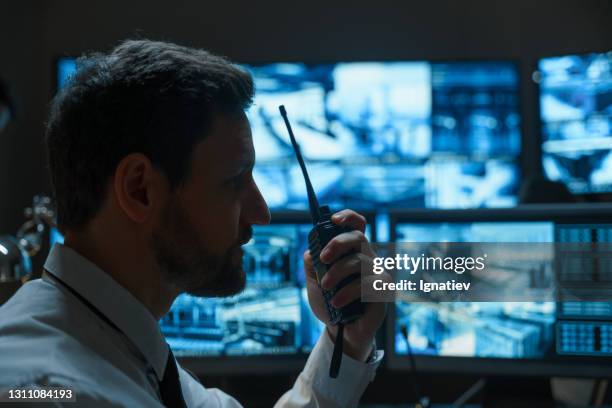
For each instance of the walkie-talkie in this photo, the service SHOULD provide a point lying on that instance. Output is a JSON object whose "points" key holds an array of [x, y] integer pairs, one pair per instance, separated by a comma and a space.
{"points": [[325, 230]]}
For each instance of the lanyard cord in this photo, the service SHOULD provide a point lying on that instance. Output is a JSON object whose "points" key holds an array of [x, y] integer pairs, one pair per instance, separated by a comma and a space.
{"points": [[169, 386], [85, 302]]}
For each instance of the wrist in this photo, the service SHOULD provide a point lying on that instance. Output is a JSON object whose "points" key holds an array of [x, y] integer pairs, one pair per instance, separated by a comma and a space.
{"points": [[357, 350]]}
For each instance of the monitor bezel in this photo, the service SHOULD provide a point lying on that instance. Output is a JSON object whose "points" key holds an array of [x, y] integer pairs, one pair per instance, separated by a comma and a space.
{"points": [[570, 366]]}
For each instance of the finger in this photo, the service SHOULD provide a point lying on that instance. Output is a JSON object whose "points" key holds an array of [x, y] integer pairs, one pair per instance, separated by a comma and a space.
{"points": [[371, 285], [344, 243], [308, 266], [349, 218], [344, 267], [347, 294]]}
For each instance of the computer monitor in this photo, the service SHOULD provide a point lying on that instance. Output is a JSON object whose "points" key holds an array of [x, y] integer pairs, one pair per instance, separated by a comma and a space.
{"points": [[379, 135], [389, 134], [576, 120], [271, 318], [521, 338]]}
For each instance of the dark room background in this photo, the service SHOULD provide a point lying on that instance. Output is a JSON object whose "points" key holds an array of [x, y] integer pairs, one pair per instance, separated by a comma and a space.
{"points": [[35, 33]]}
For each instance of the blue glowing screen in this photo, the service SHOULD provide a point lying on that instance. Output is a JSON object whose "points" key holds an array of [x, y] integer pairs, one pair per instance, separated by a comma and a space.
{"points": [[410, 134], [576, 116], [271, 316], [512, 330]]}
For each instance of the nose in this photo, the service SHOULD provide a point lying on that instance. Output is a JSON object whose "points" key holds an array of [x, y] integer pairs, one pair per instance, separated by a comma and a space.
{"points": [[255, 209]]}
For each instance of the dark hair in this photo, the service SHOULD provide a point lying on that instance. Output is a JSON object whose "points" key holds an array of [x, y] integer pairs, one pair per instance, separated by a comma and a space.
{"points": [[155, 98]]}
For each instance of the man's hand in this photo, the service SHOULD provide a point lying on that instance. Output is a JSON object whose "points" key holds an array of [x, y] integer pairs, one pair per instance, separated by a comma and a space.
{"points": [[358, 335]]}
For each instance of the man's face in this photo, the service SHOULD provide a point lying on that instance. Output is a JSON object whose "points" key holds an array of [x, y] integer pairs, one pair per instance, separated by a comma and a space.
{"points": [[198, 236]]}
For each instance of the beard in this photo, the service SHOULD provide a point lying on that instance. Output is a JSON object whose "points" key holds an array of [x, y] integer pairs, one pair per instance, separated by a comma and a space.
{"points": [[187, 264]]}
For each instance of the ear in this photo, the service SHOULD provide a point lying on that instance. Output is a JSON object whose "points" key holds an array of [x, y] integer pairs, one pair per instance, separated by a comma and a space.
{"points": [[135, 185]]}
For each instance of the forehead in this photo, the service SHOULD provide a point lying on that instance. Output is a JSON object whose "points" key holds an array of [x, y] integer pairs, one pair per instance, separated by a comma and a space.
{"points": [[227, 145]]}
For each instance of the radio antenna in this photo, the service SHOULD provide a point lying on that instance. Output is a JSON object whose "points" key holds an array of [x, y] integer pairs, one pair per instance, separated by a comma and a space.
{"points": [[312, 198]]}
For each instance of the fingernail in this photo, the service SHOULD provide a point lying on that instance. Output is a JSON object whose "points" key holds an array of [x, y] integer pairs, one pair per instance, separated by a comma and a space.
{"points": [[338, 217]]}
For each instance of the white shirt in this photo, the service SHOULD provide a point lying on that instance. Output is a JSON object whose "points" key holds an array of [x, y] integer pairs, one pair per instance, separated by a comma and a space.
{"points": [[48, 337]]}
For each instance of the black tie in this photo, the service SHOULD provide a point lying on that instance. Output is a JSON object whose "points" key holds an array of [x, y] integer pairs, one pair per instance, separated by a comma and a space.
{"points": [[170, 386]]}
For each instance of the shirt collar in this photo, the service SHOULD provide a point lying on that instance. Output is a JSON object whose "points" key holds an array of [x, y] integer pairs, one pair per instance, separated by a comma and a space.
{"points": [[113, 300]]}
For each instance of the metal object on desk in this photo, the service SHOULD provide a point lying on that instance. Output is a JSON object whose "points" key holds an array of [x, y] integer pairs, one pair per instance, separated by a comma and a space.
{"points": [[35, 231], [15, 267], [15, 263], [17, 252]]}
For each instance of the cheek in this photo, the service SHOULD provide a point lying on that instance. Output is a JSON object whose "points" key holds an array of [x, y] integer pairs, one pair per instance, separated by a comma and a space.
{"points": [[216, 223], [214, 213], [223, 230]]}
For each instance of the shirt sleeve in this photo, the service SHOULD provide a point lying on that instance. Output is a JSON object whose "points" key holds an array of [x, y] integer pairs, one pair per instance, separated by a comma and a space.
{"points": [[314, 388]]}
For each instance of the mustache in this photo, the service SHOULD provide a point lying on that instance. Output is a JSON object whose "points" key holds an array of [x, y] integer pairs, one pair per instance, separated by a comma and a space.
{"points": [[245, 236]]}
